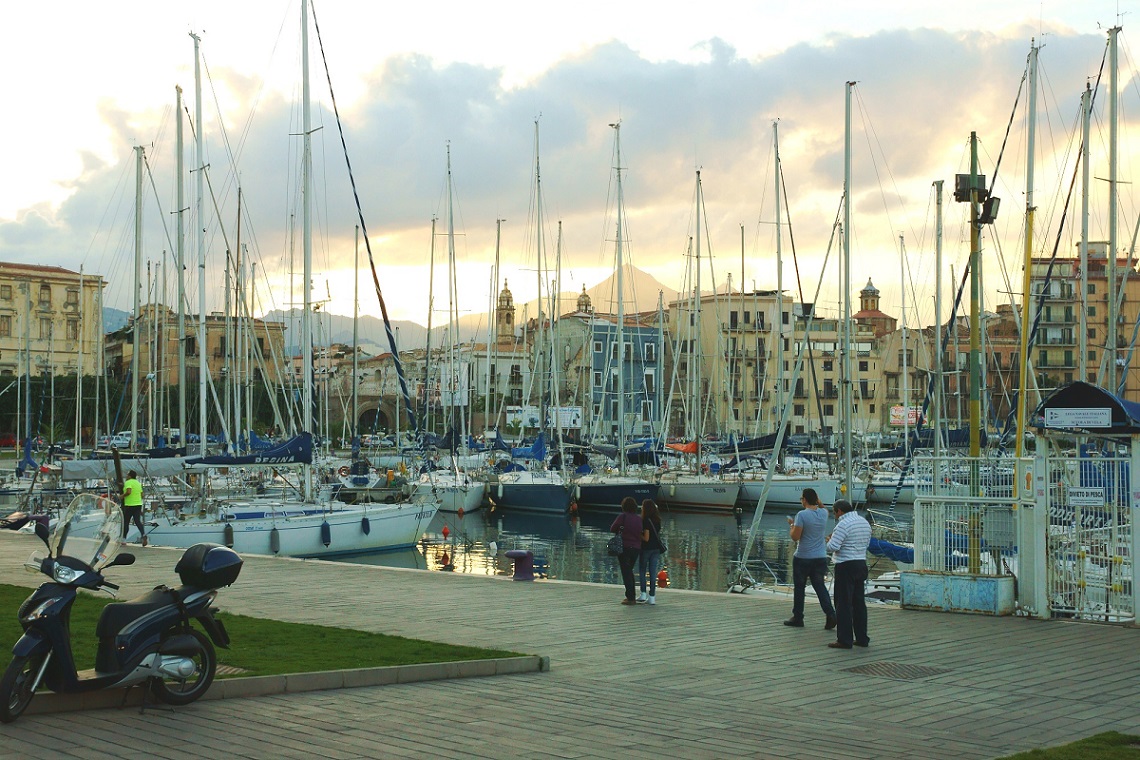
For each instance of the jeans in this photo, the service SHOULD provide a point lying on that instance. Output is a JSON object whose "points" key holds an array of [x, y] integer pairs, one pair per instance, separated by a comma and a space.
{"points": [[626, 560], [850, 603], [814, 569], [648, 561]]}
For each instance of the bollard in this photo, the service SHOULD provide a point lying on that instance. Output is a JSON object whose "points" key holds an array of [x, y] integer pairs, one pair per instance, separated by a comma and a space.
{"points": [[524, 564]]}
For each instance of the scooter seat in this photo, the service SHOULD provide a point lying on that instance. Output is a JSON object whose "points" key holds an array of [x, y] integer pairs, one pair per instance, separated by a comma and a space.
{"points": [[117, 616]]}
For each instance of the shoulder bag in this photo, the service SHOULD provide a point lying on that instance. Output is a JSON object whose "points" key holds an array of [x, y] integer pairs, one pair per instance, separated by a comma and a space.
{"points": [[657, 535], [615, 545]]}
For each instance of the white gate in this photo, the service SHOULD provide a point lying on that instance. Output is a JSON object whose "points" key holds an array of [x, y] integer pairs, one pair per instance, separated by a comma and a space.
{"points": [[1088, 538]]}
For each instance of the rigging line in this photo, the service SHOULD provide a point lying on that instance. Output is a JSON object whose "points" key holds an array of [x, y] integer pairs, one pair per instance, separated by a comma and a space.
{"points": [[868, 132], [364, 230], [1009, 125], [157, 201]]}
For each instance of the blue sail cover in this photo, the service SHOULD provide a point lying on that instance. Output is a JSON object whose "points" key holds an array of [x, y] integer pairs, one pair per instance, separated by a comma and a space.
{"points": [[298, 450], [536, 452]]}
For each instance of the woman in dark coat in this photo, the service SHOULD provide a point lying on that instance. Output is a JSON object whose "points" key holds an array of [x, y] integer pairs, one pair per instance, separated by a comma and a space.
{"points": [[628, 523]]}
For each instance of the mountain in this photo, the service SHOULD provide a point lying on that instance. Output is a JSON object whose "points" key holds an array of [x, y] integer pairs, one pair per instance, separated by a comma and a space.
{"points": [[641, 295], [114, 319]]}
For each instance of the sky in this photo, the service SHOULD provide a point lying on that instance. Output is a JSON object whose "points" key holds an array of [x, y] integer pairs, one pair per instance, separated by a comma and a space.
{"points": [[694, 87]]}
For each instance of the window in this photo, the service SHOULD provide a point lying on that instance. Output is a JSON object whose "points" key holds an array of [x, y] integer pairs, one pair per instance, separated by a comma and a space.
{"points": [[45, 296], [863, 366], [827, 365], [628, 350], [732, 321], [828, 410], [798, 410], [5, 326], [785, 317], [1092, 333], [650, 352], [73, 329], [6, 292], [597, 346], [45, 327], [614, 409], [650, 382], [72, 298], [872, 408], [647, 411], [1092, 311], [747, 317], [597, 379]]}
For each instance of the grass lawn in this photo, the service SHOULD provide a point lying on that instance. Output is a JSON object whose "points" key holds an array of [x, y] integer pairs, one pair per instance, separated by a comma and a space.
{"points": [[1109, 746], [259, 647]]}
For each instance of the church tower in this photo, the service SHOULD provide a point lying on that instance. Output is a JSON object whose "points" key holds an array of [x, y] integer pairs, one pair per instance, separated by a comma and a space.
{"points": [[585, 305], [505, 316], [869, 297]]}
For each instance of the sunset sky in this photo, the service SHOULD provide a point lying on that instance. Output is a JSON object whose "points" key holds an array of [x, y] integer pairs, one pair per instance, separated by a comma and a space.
{"points": [[695, 86]]}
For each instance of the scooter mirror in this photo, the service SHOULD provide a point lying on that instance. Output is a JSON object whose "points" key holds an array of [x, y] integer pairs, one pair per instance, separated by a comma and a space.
{"points": [[42, 531], [123, 559]]}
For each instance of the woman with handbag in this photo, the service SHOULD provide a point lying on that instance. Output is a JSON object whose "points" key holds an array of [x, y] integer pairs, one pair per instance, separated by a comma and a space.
{"points": [[651, 549], [628, 525]]}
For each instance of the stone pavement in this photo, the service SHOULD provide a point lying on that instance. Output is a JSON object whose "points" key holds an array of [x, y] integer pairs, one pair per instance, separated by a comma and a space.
{"points": [[699, 675]]}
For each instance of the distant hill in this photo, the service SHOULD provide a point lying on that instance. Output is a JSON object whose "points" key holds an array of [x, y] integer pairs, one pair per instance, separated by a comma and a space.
{"points": [[114, 319], [641, 295]]}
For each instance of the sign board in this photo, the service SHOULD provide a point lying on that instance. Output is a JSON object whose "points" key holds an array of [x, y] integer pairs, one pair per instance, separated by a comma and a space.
{"points": [[1086, 497], [454, 389], [524, 416], [569, 417], [912, 416], [1098, 417]]}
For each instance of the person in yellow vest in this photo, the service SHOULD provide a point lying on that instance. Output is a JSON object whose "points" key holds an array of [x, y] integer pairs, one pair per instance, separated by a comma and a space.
{"points": [[133, 505]]}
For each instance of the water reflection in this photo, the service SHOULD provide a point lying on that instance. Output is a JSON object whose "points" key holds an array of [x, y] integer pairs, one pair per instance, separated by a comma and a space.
{"points": [[701, 546]]}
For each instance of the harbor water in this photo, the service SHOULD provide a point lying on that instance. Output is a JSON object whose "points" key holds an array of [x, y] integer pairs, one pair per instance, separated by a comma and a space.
{"points": [[702, 547]]}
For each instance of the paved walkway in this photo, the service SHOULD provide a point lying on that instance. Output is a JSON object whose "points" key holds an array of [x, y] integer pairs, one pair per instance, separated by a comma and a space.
{"points": [[699, 675]]}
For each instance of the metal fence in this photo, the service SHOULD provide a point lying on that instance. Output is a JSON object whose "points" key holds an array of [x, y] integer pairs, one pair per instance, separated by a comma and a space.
{"points": [[966, 518]]}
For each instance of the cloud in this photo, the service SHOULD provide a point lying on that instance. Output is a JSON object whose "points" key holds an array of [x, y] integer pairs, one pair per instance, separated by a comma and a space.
{"points": [[920, 92]]}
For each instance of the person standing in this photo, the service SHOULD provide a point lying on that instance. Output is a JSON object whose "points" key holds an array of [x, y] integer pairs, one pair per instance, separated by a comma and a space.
{"points": [[651, 548], [810, 560], [849, 541], [628, 523], [133, 506]]}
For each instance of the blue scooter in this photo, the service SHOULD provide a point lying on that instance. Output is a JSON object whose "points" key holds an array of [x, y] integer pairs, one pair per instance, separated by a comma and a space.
{"points": [[148, 639]]}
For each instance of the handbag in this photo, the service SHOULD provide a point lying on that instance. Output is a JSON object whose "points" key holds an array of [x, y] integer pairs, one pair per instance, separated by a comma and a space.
{"points": [[615, 546], [657, 535]]}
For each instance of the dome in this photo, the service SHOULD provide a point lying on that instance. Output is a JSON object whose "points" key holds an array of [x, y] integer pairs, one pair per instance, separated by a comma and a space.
{"points": [[584, 302], [870, 290]]}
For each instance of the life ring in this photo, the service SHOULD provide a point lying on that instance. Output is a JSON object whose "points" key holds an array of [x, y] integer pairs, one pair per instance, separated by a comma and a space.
{"points": [[343, 471]]}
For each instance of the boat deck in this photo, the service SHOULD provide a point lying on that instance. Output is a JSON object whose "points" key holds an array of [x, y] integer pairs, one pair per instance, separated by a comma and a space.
{"points": [[699, 675]]}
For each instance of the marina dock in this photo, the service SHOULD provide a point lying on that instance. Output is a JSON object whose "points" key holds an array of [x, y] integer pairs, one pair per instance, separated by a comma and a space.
{"points": [[699, 675]]}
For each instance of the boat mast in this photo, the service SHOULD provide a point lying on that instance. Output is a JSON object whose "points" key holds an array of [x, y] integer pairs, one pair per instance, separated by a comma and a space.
{"points": [[695, 400], [619, 264], [427, 352], [452, 331], [307, 243], [779, 281], [938, 320], [538, 330], [79, 378], [975, 307], [1026, 281], [180, 254], [1082, 344], [137, 298], [200, 239], [1113, 159], [355, 431], [904, 386], [846, 385]]}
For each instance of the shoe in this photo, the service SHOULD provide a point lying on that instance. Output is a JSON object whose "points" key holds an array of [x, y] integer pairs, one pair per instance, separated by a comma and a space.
{"points": [[144, 541], [838, 645], [863, 644], [628, 601], [653, 600], [642, 598], [794, 622], [831, 623]]}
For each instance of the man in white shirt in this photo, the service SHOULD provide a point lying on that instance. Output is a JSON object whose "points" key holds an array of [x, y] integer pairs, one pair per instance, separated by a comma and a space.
{"points": [[849, 541]]}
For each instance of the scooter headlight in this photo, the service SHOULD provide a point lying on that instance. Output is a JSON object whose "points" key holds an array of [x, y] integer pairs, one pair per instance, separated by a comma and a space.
{"points": [[63, 574]]}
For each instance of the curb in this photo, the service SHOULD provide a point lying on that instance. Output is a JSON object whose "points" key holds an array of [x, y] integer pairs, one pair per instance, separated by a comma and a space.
{"points": [[295, 683]]}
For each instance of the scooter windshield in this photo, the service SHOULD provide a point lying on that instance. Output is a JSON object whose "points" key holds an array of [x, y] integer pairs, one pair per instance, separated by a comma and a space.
{"points": [[89, 530]]}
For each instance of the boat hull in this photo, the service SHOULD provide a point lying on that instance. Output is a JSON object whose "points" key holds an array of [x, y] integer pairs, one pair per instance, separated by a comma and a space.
{"points": [[785, 491], [532, 494], [609, 496], [714, 495]]}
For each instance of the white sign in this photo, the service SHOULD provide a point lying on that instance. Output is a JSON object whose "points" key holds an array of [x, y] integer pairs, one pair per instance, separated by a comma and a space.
{"points": [[569, 417], [525, 416], [1078, 418], [912, 416], [1086, 497]]}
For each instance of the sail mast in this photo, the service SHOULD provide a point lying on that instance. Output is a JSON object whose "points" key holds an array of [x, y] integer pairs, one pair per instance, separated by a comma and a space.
{"points": [[307, 242], [779, 279], [180, 254], [1113, 159], [1082, 343], [137, 298], [1026, 282], [200, 240], [846, 385], [619, 340]]}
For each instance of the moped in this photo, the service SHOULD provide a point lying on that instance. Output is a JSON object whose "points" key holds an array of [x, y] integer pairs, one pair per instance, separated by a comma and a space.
{"points": [[145, 641]]}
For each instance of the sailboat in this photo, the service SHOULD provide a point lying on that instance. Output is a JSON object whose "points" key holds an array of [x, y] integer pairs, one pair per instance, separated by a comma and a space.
{"points": [[534, 488], [453, 488], [699, 489], [309, 526], [607, 490]]}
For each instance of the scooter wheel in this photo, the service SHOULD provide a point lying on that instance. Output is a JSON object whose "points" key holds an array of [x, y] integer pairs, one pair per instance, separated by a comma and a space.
{"points": [[16, 686], [175, 691]]}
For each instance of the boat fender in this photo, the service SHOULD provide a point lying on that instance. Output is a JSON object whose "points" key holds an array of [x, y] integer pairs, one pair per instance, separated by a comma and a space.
{"points": [[229, 535], [365, 526], [673, 490], [460, 512], [326, 533], [274, 541], [500, 490], [343, 471], [577, 492]]}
